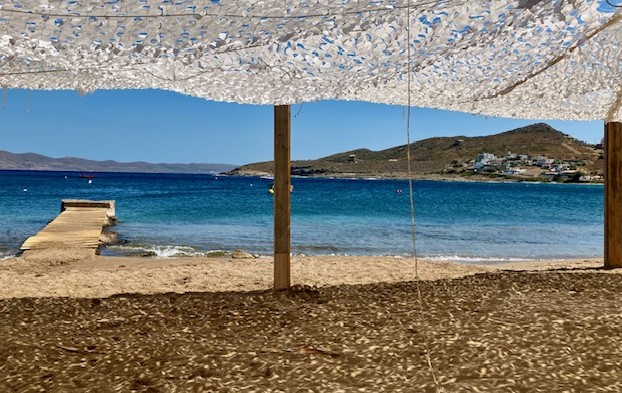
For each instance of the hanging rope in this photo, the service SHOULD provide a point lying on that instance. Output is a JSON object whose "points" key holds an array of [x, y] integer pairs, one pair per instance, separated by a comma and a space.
{"points": [[28, 100], [412, 208], [299, 110]]}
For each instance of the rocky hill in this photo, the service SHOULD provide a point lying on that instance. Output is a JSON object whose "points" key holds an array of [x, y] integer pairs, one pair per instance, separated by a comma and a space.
{"points": [[31, 161], [434, 155]]}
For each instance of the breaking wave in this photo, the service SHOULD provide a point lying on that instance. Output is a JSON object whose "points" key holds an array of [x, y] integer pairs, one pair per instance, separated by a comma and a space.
{"points": [[475, 260], [159, 251]]}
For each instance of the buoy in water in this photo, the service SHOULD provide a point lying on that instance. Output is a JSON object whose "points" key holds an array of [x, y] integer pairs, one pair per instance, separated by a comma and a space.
{"points": [[271, 189]]}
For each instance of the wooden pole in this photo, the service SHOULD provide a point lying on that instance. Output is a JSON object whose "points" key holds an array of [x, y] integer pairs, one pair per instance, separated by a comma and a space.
{"points": [[613, 194], [282, 182]]}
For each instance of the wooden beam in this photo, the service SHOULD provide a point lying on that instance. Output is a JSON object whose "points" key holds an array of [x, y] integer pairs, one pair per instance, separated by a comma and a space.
{"points": [[282, 182], [613, 195]]}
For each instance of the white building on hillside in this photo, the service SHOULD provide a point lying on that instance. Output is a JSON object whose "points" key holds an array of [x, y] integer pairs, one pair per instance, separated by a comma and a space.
{"points": [[544, 162], [483, 159]]}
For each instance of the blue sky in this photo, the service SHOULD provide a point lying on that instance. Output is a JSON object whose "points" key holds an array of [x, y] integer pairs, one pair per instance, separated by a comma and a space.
{"points": [[158, 126]]}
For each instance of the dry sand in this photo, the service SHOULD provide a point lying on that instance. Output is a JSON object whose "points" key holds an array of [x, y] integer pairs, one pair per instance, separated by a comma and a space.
{"points": [[77, 273], [541, 327]]}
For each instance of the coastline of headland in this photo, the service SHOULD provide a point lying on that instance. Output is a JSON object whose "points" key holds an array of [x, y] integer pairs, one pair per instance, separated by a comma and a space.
{"points": [[420, 177]]}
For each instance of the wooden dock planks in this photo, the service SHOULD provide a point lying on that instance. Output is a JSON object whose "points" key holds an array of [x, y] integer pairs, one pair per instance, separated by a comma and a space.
{"points": [[79, 225]]}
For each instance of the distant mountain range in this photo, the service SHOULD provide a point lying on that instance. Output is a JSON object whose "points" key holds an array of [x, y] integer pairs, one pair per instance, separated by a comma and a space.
{"points": [[434, 155], [32, 161]]}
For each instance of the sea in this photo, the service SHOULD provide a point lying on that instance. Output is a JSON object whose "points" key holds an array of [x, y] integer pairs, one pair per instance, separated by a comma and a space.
{"points": [[170, 215]]}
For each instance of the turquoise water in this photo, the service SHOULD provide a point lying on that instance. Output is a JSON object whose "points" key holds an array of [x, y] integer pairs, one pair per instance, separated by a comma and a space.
{"points": [[194, 214]]}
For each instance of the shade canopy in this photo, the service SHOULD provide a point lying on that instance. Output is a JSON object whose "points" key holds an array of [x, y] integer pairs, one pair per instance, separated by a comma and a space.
{"points": [[555, 59]]}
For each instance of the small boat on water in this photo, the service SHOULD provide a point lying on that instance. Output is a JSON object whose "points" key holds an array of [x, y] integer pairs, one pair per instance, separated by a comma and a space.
{"points": [[86, 176], [267, 177]]}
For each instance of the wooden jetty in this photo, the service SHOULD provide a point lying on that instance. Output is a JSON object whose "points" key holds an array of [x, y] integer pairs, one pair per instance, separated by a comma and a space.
{"points": [[79, 225]]}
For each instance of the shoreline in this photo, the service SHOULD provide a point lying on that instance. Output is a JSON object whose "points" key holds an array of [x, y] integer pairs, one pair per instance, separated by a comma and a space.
{"points": [[169, 253], [347, 176], [70, 273], [417, 177]]}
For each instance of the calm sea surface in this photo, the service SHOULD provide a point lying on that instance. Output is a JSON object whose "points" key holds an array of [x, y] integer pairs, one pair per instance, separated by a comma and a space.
{"points": [[194, 214]]}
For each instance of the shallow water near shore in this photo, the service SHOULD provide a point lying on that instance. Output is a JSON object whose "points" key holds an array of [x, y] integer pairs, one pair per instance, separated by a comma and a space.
{"points": [[191, 215]]}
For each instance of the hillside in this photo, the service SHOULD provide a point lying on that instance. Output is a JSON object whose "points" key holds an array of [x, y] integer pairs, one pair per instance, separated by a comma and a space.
{"points": [[31, 161], [435, 155]]}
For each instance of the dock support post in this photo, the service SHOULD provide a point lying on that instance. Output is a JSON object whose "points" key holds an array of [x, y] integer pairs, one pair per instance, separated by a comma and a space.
{"points": [[613, 194], [282, 182]]}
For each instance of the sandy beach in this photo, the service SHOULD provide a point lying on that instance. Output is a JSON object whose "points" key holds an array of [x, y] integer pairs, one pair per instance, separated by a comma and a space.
{"points": [[82, 323], [76, 273]]}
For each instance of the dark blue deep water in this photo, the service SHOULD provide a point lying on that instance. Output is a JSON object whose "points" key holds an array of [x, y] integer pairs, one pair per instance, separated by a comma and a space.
{"points": [[194, 214]]}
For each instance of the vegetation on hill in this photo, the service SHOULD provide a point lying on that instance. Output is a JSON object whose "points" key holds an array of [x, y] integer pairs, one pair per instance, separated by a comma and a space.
{"points": [[434, 156]]}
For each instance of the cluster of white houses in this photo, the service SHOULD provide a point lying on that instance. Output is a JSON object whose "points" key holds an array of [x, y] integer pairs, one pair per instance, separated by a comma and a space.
{"points": [[523, 165]]}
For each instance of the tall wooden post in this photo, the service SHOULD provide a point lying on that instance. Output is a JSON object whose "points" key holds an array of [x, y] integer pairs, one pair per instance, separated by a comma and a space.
{"points": [[282, 182], [613, 195]]}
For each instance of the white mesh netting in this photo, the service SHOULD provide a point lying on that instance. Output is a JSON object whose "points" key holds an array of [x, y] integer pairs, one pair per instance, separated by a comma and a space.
{"points": [[556, 59]]}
